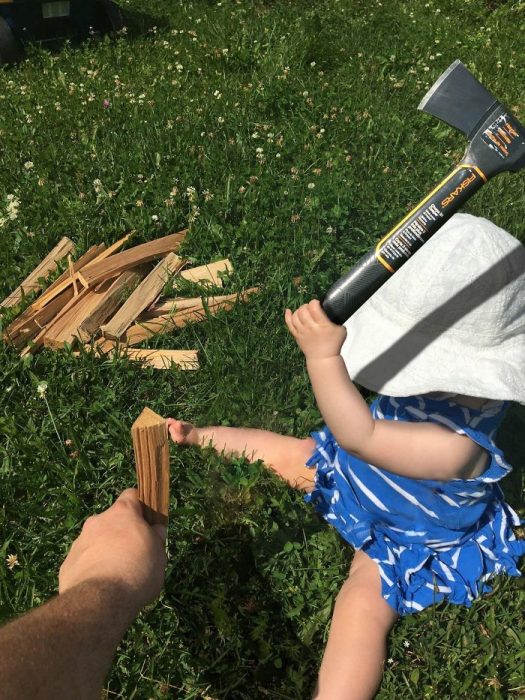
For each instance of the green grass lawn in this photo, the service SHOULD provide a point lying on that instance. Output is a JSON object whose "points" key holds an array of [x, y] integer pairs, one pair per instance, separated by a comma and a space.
{"points": [[286, 135]]}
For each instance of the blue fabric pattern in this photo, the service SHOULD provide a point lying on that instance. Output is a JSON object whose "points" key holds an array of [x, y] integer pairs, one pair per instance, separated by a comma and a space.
{"points": [[432, 540]]}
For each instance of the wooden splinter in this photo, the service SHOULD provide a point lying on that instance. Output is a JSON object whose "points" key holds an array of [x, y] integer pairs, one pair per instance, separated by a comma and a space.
{"points": [[150, 444]]}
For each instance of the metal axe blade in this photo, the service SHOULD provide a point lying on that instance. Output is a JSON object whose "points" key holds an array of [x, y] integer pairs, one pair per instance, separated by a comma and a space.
{"points": [[458, 99]]}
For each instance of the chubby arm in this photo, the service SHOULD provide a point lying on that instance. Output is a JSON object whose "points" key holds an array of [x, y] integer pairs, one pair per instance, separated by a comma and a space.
{"points": [[416, 450], [64, 649]]}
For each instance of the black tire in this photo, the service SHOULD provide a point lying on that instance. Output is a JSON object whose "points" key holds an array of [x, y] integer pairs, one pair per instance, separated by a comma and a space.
{"points": [[11, 50], [110, 16]]}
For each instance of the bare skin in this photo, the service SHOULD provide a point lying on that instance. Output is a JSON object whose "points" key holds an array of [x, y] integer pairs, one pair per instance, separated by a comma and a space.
{"points": [[64, 648], [353, 660]]}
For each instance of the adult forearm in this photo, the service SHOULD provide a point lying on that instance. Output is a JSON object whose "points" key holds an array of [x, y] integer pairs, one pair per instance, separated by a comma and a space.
{"points": [[65, 648], [343, 408]]}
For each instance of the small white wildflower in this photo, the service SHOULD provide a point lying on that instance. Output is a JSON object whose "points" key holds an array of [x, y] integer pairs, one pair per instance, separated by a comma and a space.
{"points": [[311, 185], [41, 389], [12, 561], [329, 229], [154, 217], [406, 643], [29, 165], [390, 660], [13, 205]]}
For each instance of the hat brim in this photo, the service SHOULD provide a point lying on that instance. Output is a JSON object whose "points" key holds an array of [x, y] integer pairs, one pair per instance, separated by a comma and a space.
{"points": [[402, 360]]}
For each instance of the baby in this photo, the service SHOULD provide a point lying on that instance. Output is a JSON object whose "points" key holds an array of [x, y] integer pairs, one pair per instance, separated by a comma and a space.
{"points": [[411, 482]]}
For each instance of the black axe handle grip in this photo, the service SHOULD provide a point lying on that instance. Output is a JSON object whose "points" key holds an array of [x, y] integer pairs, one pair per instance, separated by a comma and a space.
{"points": [[393, 250]]}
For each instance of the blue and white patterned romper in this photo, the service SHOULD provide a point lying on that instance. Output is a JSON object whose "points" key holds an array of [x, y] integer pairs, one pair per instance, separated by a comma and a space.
{"points": [[432, 540]]}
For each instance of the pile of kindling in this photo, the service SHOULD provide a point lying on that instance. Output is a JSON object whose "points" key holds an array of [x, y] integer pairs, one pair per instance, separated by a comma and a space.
{"points": [[109, 300]]}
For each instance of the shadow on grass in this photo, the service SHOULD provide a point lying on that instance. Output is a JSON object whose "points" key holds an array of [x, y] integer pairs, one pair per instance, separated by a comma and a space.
{"points": [[234, 588]]}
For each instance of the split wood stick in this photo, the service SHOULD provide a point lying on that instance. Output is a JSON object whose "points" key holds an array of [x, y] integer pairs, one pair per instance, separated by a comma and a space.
{"points": [[72, 274], [167, 307], [163, 359], [64, 281], [55, 325], [163, 324], [43, 270], [147, 291], [109, 302], [145, 252], [208, 273], [38, 320], [159, 359], [103, 255], [149, 434], [67, 331]]}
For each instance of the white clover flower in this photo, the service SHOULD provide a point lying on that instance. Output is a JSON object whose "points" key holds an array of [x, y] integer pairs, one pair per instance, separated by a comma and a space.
{"points": [[41, 389], [29, 165], [12, 561], [311, 185], [154, 217]]}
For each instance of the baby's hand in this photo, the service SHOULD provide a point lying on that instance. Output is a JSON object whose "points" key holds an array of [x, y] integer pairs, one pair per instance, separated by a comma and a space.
{"points": [[315, 334]]}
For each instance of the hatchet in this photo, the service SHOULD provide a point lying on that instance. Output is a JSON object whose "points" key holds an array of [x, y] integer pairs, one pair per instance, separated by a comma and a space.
{"points": [[496, 144]]}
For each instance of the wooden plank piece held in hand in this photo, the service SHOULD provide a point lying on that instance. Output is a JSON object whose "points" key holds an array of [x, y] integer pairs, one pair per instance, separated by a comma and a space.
{"points": [[46, 267], [145, 252], [147, 291], [152, 459]]}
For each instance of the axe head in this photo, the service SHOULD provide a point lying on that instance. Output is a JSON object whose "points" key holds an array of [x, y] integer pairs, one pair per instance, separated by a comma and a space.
{"points": [[496, 138]]}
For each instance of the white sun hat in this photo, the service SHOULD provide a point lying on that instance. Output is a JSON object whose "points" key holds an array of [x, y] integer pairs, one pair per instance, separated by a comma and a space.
{"points": [[451, 319]]}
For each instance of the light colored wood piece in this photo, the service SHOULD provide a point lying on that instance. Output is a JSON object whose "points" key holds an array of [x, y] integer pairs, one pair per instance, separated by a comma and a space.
{"points": [[147, 291], [163, 359], [168, 307], [157, 358], [67, 331], [44, 269], [163, 324], [208, 273], [64, 281], [72, 274], [152, 460], [132, 257], [55, 326], [38, 320], [109, 302], [109, 251]]}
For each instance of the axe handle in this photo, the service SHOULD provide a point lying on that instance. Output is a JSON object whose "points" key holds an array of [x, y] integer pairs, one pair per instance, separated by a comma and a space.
{"points": [[393, 250]]}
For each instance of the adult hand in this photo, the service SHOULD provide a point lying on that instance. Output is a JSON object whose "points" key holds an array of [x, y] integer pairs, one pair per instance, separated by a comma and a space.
{"points": [[119, 545], [315, 334]]}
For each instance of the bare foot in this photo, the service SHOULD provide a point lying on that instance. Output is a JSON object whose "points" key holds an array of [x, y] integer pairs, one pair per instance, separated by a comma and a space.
{"points": [[182, 433]]}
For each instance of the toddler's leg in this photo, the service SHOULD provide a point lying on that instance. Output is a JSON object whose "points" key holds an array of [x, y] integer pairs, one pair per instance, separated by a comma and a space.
{"points": [[285, 455], [352, 665]]}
